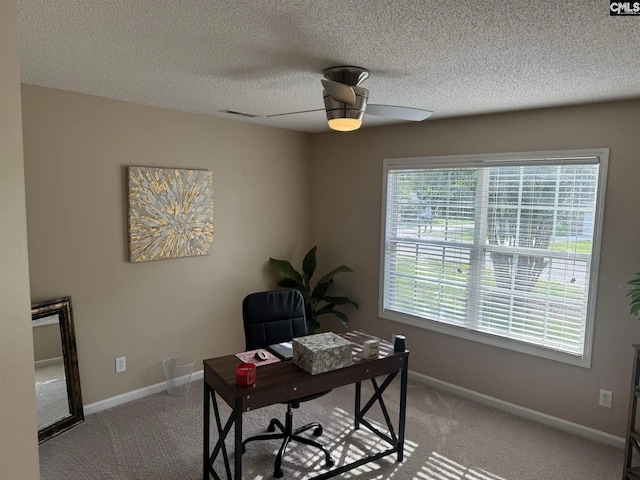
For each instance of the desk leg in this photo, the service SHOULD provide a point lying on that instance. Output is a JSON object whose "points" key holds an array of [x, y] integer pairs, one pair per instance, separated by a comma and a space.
{"points": [[357, 409], [396, 442], [206, 432], [220, 445], [403, 408], [237, 413]]}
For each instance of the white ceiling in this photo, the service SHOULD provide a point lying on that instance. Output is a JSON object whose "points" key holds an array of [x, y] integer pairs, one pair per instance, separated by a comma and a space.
{"points": [[266, 56]]}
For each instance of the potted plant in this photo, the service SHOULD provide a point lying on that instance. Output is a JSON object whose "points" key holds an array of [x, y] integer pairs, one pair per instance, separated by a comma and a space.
{"points": [[316, 299], [634, 293]]}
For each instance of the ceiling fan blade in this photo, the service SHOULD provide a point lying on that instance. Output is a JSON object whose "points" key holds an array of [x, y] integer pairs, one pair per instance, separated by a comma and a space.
{"points": [[294, 113], [399, 113], [339, 91]]}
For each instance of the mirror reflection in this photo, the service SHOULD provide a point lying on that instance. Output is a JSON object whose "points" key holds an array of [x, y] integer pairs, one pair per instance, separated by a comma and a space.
{"points": [[58, 393], [51, 384]]}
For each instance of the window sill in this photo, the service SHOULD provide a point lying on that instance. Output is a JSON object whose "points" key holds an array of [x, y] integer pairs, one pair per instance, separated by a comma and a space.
{"points": [[487, 339]]}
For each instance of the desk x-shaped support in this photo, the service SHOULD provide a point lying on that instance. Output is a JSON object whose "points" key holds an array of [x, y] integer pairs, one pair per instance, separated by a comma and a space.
{"points": [[396, 441]]}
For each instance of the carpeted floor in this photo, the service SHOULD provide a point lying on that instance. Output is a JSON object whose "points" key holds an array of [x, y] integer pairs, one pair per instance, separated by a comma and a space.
{"points": [[448, 438], [51, 393]]}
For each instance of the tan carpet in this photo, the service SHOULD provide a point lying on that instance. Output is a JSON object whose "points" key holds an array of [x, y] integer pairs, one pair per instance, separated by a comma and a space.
{"points": [[51, 393], [448, 438]]}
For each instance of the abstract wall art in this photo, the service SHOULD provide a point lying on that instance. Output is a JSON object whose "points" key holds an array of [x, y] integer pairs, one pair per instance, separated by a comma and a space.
{"points": [[170, 213]]}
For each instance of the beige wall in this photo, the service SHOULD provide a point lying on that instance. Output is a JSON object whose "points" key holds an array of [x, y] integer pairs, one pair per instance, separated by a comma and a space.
{"points": [[347, 188], [76, 150], [18, 430], [47, 343]]}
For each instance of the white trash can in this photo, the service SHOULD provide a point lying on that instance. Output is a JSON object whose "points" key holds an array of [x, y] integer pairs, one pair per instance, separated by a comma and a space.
{"points": [[177, 371]]}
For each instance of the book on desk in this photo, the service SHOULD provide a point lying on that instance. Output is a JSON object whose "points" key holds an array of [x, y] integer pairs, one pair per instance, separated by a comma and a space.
{"points": [[284, 350]]}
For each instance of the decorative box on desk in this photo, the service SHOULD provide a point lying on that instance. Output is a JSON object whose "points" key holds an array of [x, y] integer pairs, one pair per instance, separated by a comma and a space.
{"points": [[322, 352]]}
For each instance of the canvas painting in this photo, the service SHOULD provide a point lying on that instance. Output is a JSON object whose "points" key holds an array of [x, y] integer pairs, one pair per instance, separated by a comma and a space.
{"points": [[170, 213]]}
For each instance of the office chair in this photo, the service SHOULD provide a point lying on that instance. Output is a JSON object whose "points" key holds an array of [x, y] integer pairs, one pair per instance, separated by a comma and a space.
{"points": [[274, 317]]}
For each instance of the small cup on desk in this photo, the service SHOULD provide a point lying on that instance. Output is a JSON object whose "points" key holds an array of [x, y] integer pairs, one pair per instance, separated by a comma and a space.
{"points": [[245, 374], [399, 344]]}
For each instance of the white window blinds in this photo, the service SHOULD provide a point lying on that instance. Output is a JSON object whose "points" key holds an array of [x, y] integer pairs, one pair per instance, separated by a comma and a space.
{"points": [[502, 245]]}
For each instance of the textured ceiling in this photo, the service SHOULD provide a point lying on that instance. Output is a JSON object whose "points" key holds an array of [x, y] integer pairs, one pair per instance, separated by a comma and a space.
{"points": [[266, 56]]}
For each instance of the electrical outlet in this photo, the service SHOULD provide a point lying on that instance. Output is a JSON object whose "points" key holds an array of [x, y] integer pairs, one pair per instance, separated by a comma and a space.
{"points": [[121, 364], [606, 398]]}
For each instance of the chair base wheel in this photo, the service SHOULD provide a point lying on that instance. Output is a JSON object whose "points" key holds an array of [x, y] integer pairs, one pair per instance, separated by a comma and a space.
{"points": [[278, 473], [329, 462], [317, 431]]}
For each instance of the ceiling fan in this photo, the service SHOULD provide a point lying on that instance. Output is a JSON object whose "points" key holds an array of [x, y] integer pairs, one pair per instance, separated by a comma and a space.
{"points": [[345, 101]]}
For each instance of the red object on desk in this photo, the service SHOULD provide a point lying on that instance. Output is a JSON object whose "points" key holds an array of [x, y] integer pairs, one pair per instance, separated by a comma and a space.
{"points": [[245, 374]]}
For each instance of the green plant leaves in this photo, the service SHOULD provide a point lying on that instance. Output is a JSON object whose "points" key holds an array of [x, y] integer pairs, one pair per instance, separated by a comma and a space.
{"points": [[320, 290], [635, 281], [340, 301], [312, 325], [634, 293], [344, 318], [286, 269], [288, 283], [309, 263], [329, 276], [312, 298]]}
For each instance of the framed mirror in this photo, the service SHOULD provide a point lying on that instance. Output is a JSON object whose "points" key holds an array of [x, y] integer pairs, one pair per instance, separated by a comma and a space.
{"points": [[58, 393]]}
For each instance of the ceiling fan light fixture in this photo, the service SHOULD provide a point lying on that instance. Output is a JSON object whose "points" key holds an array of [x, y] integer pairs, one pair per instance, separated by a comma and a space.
{"points": [[342, 116], [345, 101], [344, 124]]}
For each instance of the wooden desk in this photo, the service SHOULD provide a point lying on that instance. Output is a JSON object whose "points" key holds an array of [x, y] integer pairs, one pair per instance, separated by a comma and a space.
{"points": [[284, 381]]}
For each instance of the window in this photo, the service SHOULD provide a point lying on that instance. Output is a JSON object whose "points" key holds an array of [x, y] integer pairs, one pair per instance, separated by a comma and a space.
{"points": [[502, 249]]}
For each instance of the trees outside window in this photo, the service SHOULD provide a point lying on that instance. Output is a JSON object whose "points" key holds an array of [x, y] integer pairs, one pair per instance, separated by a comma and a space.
{"points": [[502, 245]]}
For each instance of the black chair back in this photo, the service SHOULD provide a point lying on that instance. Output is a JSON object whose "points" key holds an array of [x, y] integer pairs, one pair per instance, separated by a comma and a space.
{"points": [[273, 317]]}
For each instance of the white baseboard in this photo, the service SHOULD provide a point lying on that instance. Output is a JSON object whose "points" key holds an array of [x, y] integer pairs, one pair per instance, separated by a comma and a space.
{"points": [[543, 418], [133, 395], [48, 361], [512, 408]]}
